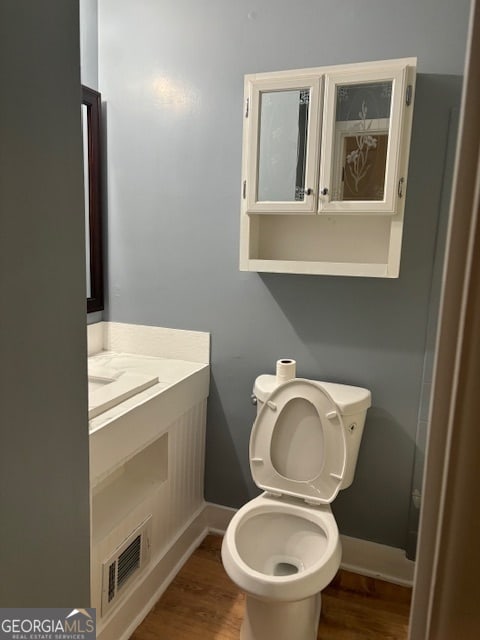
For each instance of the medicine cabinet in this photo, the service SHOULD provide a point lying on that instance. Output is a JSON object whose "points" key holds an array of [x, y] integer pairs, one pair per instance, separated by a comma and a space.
{"points": [[325, 157]]}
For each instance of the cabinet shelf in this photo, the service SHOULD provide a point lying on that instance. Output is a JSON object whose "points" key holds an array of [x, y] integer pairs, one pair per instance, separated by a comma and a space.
{"points": [[320, 268], [127, 487]]}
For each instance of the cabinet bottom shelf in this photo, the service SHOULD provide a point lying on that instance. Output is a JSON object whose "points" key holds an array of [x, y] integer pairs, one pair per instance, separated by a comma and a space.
{"points": [[358, 269]]}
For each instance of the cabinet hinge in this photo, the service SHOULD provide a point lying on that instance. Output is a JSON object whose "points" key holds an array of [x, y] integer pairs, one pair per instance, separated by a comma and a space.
{"points": [[400, 187], [408, 96], [244, 189], [247, 106]]}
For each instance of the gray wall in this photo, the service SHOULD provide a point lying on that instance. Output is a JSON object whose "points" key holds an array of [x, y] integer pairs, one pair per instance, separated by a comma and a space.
{"points": [[171, 73], [431, 333], [89, 43], [44, 510]]}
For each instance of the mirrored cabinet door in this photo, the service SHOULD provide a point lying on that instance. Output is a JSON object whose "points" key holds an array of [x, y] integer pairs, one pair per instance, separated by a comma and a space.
{"points": [[283, 138], [362, 121]]}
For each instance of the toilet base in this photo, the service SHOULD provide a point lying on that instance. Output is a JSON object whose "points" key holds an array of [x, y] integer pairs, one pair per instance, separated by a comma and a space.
{"points": [[265, 620]]}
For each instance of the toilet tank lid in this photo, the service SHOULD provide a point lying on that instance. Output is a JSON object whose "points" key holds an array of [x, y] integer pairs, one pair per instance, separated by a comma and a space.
{"points": [[349, 399]]}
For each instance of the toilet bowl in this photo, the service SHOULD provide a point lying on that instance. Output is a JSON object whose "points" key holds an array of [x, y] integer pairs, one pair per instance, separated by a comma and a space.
{"points": [[283, 548]]}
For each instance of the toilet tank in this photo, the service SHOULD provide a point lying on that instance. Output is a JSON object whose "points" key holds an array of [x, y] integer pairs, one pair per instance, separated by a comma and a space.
{"points": [[352, 403], [262, 388]]}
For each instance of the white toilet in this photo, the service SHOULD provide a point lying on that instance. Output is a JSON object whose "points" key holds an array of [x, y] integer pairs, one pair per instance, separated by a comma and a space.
{"points": [[283, 547]]}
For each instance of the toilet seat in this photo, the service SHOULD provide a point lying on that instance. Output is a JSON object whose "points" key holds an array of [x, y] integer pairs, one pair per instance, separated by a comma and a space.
{"points": [[297, 444]]}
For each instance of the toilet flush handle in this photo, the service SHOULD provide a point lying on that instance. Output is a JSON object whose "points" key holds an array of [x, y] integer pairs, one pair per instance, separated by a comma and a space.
{"points": [[254, 399]]}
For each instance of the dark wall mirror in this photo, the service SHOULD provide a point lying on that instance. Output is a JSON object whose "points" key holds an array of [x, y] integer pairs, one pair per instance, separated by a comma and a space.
{"points": [[91, 104]]}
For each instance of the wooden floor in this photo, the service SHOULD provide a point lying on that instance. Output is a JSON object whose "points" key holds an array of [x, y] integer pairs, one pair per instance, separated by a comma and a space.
{"points": [[203, 604]]}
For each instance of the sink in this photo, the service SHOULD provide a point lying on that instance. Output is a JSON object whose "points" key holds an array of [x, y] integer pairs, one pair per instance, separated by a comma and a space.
{"points": [[108, 387]]}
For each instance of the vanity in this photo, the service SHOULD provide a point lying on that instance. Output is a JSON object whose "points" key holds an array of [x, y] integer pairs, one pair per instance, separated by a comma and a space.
{"points": [[148, 389]]}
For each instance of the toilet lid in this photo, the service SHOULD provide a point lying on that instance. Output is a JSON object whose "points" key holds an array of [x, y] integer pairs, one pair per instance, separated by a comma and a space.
{"points": [[297, 444]]}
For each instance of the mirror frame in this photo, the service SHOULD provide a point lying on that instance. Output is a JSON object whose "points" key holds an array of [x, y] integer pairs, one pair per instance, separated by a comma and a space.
{"points": [[92, 100]]}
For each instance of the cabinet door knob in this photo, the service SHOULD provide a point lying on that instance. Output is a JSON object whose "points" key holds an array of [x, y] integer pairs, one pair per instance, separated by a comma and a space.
{"points": [[308, 192], [324, 191]]}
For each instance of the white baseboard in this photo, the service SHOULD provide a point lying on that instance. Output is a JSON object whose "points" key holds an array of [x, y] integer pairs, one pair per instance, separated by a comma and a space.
{"points": [[218, 517], [377, 560], [359, 556]]}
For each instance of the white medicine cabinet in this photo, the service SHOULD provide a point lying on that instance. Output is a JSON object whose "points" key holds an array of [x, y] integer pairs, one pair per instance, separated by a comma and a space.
{"points": [[324, 171]]}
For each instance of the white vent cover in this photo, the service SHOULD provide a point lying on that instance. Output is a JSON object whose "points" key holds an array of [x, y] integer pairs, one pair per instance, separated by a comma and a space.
{"points": [[125, 562]]}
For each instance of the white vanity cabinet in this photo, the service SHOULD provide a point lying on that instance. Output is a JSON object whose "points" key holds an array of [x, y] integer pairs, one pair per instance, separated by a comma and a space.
{"points": [[325, 157]]}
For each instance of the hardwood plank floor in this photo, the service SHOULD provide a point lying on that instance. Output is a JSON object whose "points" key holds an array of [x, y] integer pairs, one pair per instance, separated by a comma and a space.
{"points": [[202, 603]]}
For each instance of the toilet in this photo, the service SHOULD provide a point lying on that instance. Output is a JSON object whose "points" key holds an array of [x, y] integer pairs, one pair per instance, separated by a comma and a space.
{"points": [[283, 548]]}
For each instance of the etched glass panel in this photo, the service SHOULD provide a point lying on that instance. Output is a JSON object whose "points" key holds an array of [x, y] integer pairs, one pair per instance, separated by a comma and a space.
{"points": [[283, 145], [362, 126]]}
